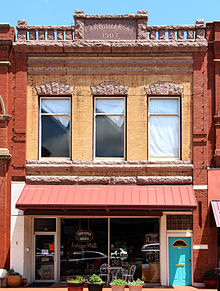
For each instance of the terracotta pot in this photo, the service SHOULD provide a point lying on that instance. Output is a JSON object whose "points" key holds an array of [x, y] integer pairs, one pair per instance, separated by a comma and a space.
{"points": [[135, 288], [14, 281], [118, 287], [75, 286], [210, 283]]}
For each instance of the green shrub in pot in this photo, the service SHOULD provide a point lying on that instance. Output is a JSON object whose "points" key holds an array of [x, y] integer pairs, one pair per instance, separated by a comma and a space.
{"points": [[14, 279], [95, 283], [118, 285], [136, 285]]}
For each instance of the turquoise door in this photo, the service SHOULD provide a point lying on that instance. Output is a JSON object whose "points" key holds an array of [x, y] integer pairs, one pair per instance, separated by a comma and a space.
{"points": [[180, 261]]}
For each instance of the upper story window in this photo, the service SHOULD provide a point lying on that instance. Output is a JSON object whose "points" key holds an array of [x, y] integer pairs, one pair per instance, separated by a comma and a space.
{"points": [[109, 115], [55, 119], [164, 127]]}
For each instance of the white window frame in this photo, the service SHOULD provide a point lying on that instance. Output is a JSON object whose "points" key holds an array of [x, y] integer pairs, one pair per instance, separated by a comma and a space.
{"points": [[165, 114], [52, 114], [109, 114]]}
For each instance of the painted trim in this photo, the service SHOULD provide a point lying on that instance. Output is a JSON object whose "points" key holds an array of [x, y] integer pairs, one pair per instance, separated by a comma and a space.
{"points": [[200, 247], [186, 245], [200, 187], [163, 253]]}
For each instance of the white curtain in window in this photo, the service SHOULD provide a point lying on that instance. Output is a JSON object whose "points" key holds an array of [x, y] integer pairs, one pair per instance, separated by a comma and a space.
{"points": [[54, 106], [164, 136]]}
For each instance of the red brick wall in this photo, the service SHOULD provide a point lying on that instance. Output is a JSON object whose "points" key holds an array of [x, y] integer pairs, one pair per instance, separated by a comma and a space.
{"points": [[200, 235], [6, 92], [201, 127], [19, 123]]}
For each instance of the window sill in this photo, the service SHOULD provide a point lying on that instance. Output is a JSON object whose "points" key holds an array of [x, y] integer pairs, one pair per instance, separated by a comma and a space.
{"points": [[54, 159], [109, 159]]}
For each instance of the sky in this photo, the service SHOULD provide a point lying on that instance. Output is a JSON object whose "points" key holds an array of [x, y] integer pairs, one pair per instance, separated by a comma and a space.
{"points": [[60, 12]]}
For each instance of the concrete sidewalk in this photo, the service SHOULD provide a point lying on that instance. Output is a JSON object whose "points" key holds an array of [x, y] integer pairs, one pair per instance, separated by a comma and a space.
{"points": [[176, 288]]}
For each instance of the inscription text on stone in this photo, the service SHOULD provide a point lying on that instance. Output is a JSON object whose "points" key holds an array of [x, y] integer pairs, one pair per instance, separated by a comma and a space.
{"points": [[109, 29]]}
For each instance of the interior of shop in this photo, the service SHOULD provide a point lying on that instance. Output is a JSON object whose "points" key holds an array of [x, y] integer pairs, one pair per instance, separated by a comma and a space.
{"points": [[123, 244]]}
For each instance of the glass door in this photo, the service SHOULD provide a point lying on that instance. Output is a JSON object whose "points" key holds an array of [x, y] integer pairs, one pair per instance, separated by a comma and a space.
{"points": [[44, 257]]}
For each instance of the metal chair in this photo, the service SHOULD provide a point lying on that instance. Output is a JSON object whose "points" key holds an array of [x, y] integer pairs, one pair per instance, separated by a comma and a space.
{"points": [[104, 273], [130, 275]]}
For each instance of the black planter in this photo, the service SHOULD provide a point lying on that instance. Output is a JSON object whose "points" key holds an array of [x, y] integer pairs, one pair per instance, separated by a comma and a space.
{"points": [[95, 287]]}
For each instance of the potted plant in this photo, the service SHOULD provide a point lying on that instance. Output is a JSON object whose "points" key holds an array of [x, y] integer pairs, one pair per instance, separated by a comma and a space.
{"points": [[118, 284], [95, 283], [210, 279], [136, 285], [76, 284], [14, 279]]}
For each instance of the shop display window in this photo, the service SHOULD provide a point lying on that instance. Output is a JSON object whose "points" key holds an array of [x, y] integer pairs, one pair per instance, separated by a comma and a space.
{"points": [[136, 242], [131, 241], [84, 246]]}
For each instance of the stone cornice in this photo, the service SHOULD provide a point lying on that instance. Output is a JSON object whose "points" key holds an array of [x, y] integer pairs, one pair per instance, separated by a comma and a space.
{"points": [[54, 88], [110, 168], [81, 14], [110, 180], [109, 88], [139, 45], [164, 88]]}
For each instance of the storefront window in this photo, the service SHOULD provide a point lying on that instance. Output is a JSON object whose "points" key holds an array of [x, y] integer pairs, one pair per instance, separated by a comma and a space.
{"points": [[133, 243], [84, 246], [45, 224], [136, 242]]}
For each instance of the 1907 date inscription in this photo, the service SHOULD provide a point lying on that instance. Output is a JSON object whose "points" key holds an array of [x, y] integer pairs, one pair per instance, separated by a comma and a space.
{"points": [[109, 29]]}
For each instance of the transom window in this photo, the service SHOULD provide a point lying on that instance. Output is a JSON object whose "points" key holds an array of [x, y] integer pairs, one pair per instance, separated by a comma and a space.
{"points": [[109, 114], [164, 127], [55, 127], [179, 243]]}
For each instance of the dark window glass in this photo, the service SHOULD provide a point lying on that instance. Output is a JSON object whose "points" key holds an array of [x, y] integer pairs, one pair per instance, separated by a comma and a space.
{"points": [[179, 222], [109, 127], [44, 224], [44, 257], [55, 128], [110, 136]]}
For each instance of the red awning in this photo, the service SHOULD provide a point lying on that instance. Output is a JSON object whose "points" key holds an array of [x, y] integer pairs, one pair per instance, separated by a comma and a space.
{"points": [[167, 197], [216, 211]]}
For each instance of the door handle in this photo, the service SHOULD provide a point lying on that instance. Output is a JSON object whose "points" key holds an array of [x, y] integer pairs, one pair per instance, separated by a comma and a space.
{"points": [[189, 260], [180, 265]]}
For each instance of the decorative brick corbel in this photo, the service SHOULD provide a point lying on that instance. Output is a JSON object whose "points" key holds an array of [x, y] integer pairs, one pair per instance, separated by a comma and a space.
{"points": [[54, 88], [109, 88], [164, 88]]}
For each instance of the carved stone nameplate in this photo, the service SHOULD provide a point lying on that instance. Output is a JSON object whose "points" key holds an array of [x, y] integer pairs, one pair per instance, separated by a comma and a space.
{"points": [[110, 29]]}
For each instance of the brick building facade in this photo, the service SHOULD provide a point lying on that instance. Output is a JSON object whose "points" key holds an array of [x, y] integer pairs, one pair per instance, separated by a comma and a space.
{"points": [[148, 76]]}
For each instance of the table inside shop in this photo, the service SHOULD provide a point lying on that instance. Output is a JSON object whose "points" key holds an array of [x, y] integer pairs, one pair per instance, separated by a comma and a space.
{"points": [[114, 271]]}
